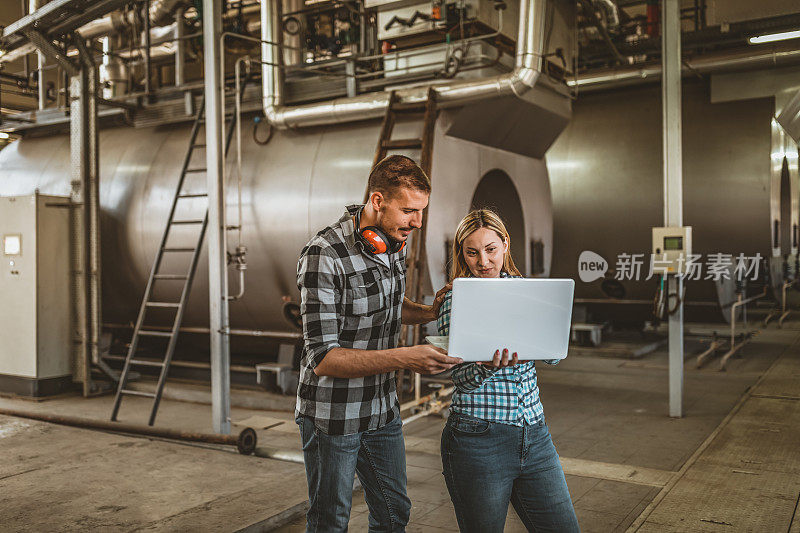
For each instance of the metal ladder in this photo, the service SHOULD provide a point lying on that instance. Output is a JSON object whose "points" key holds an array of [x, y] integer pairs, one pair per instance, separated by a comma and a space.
{"points": [[416, 254], [156, 275]]}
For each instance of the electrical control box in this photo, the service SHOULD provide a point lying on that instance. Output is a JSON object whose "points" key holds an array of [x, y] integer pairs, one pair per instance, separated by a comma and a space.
{"points": [[462, 24], [408, 17], [35, 283], [671, 249]]}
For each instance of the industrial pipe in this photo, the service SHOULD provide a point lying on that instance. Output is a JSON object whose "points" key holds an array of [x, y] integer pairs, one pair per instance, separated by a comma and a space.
{"points": [[588, 7], [33, 6], [434, 396], [162, 11], [162, 49], [296, 456], [526, 75], [611, 10], [245, 442], [180, 49], [773, 57], [280, 335], [160, 14], [147, 70]]}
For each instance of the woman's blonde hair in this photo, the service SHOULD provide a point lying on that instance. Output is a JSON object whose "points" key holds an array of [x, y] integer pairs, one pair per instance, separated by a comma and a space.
{"points": [[475, 220]]}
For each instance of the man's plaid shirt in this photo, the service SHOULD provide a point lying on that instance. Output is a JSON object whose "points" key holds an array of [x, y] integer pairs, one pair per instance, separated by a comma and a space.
{"points": [[349, 299], [507, 395]]}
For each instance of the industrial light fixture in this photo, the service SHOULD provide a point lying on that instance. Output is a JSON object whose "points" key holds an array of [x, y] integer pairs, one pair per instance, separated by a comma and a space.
{"points": [[3, 135], [770, 37]]}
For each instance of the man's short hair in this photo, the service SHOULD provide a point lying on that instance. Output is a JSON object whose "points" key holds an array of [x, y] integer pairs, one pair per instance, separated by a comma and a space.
{"points": [[397, 171]]}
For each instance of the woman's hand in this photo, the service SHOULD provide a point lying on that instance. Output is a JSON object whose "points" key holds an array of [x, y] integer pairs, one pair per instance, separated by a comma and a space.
{"points": [[439, 299], [502, 360]]}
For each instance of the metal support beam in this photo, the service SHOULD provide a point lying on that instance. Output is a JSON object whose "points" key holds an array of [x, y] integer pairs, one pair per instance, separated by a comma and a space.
{"points": [[78, 105], [180, 48], [40, 77], [85, 176], [217, 264], [57, 18], [47, 48], [673, 183], [148, 80], [350, 82], [92, 199]]}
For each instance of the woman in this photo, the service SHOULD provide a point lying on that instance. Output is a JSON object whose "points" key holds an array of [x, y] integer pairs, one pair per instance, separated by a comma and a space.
{"points": [[496, 447]]}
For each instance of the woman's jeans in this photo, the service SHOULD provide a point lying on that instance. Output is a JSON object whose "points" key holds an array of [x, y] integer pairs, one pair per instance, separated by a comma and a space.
{"points": [[487, 464], [378, 457]]}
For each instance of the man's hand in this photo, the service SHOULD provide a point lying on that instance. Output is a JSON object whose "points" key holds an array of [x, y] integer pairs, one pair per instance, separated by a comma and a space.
{"points": [[427, 359], [439, 299], [414, 313]]}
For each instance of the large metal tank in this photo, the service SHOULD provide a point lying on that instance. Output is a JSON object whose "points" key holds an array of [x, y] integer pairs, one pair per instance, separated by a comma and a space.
{"points": [[292, 187], [607, 179]]}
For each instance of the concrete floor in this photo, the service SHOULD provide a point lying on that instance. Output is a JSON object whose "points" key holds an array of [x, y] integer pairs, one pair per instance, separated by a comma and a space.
{"points": [[622, 455], [58, 478], [747, 477]]}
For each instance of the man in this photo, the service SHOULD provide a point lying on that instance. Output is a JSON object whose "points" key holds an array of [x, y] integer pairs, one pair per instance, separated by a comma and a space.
{"points": [[351, 277]]}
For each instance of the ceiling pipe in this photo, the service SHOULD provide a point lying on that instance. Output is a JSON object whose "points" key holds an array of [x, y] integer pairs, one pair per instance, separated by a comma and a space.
{"points": [[611, 11], [526, 75], [746, 60], [161, 16], [588, 9], [162, 12]]}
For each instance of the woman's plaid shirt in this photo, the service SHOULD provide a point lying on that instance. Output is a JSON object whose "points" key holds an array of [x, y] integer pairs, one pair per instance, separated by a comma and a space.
{"points": [[349, 299], [507, 395]]}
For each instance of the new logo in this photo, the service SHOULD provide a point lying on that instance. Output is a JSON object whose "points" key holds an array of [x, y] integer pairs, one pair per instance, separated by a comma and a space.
{"points": [[591, 266]]}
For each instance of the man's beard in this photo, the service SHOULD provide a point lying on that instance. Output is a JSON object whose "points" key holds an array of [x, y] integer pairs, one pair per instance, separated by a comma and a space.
{"points": [[391, 235]]}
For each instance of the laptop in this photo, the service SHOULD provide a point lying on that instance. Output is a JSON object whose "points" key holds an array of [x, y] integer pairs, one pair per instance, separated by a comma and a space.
{"points": [[529, 316]]}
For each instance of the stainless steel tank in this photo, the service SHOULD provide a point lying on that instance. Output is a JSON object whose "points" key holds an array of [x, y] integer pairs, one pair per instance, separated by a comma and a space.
{"points": [[292, 187], [607, 177]]}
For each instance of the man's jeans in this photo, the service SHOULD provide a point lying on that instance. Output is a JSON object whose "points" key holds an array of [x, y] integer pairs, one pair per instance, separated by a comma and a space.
{"points": [[379, 459], [487, 464]]}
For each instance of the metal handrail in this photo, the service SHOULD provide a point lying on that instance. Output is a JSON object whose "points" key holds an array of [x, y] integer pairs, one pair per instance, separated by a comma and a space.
{"points": [[784, 312], [733, 347]]}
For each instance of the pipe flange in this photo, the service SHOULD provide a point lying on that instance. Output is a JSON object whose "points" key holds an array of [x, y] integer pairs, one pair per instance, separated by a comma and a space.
{"points": [[270, 131], [292, 25], [246, 443]]}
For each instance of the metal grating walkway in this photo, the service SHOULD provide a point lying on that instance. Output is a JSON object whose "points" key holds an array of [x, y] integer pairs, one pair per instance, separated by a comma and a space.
{"points": [[747, 477]]}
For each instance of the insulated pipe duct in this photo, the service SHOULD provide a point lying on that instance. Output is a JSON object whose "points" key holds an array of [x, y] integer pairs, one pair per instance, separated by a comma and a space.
{"points": [[518, 82], [161, 15], [17, 53], [115, 22], [162, 12], [293, 55], [773, 57], [111, 23], [157, 51], [611, 10], [103, 26]]}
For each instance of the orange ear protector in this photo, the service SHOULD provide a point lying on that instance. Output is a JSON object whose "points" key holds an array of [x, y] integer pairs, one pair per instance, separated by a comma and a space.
{"points": [[377, 242]]}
